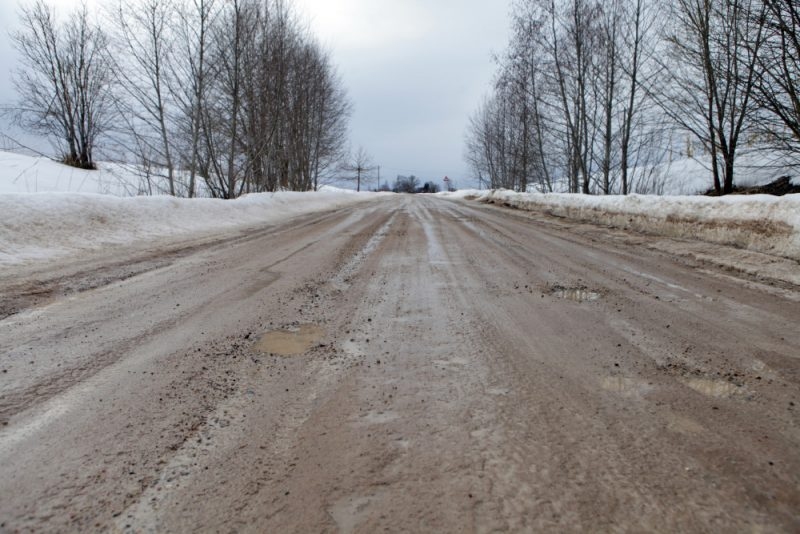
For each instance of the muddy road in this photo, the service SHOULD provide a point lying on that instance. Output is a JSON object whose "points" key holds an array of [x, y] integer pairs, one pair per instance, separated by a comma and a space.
{"points": [[411, 364]]}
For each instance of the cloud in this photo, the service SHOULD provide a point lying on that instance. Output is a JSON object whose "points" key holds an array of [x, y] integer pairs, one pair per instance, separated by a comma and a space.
{"points": [[414, 69]]}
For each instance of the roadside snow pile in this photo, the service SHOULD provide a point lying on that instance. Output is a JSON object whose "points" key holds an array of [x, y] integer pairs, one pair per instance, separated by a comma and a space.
{"points": [[761, 223], [42, 226]]}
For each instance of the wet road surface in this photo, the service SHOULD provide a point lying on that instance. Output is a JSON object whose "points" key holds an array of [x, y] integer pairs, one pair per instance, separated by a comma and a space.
{"points": [[412, 364]]}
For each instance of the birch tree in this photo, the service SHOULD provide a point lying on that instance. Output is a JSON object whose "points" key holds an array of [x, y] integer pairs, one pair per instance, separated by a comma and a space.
{"points": [[778, 75], [144, 43], [714, 59], [65, 83], [195, 20]]}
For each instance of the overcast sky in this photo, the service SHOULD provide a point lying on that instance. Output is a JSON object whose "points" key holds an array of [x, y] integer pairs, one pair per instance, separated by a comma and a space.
{"points": [[414, 69]]}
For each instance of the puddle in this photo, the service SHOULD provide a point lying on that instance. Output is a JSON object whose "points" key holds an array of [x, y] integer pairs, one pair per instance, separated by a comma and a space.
{"points": [[627, 387], [714, 388], [290, 342], [575, 294]]}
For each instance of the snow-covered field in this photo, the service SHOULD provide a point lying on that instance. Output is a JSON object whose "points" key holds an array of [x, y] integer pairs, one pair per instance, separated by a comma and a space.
{"points": [[27, 174], [756, 222], [691, 176]]}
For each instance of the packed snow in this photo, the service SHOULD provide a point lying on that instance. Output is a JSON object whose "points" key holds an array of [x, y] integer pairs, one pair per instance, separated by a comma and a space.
{"points": [[761, 223]]}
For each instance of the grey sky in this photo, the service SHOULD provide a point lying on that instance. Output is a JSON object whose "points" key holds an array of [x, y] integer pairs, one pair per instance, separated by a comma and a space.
{"points": [[414, 69]]}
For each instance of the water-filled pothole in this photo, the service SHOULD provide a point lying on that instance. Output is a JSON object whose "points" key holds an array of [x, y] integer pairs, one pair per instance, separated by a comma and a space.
{"points": [[290, 342], [575, 294]]}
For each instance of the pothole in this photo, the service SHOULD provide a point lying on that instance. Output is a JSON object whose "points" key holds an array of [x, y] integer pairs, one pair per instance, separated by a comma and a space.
{"points": [[290, 342], [575, 294], [375, 418], [714, 388], [627, 387]]}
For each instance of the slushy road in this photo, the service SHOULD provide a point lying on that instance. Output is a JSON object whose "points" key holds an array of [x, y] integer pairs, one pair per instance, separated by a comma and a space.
{"points": [[408, 364]]}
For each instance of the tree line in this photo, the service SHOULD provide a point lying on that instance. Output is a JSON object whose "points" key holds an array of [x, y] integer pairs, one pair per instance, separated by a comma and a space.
{"points": [[232, 95], [588, 91]]}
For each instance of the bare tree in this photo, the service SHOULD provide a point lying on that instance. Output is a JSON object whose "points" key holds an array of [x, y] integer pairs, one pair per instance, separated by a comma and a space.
{"points": [[275, 115], [478, 153], [570, 99], [64, 86], [715, 46], [486, 142], [641, 76], [359, 167], [406, 184], [235, 93], [330, 111], [223, 115], [778, 76], [196, 18], [144, 45], [574, 37]]}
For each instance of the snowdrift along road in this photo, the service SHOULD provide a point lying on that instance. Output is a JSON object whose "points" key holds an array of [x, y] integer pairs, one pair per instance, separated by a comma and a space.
{"points": [[43, 226], [760, 223]]}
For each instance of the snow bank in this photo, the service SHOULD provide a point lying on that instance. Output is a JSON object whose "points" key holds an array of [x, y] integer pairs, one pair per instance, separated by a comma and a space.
{"points": [[49, 210], [41, 226], [756, 222]]}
